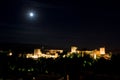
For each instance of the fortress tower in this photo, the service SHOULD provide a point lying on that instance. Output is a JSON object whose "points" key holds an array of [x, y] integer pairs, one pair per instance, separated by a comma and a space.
{"points": [[73, 49], [37, 52], [102, 50]]}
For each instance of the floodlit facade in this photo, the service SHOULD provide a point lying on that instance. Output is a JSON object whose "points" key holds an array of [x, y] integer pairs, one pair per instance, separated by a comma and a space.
{"points": [[102, 50], [55, 53], [49, 54], [73, 49], [93, 53], [37, 52]]}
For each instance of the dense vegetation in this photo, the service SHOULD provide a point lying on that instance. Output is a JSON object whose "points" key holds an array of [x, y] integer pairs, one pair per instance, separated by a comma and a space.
{"points": [[73, 65]]}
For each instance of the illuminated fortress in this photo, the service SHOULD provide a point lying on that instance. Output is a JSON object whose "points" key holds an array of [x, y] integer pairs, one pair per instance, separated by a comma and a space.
{"points": [[93, 53], [48, 54], [55, 53]]}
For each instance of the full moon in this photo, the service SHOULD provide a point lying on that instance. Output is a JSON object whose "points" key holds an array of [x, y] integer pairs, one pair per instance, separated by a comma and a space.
{"points": [[31, 14]]}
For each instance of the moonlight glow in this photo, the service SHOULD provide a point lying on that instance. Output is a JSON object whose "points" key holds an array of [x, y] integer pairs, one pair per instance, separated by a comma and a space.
{"points": [[31, 14]]}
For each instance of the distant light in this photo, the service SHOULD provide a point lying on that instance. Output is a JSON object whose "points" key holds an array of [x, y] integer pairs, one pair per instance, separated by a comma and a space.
{"points": [[63, 56], [28, 70], [10, 54], [33, 78]]}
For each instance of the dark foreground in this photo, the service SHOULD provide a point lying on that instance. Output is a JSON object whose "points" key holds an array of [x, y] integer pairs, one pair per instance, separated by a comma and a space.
{"points": [[75, 68], [59, 77]]}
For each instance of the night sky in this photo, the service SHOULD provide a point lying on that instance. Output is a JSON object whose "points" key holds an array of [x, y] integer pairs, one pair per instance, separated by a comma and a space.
{"points": [[61, 23]]}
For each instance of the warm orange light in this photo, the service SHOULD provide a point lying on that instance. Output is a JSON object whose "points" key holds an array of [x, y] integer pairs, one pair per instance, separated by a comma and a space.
{"points": [[73, 49], [34, 56], [102, 50]]}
